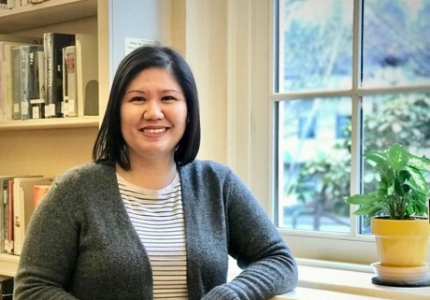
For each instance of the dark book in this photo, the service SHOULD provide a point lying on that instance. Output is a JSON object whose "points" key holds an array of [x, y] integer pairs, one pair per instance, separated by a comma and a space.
{"points": [[30, 81], [53, 44], [6, 287]]}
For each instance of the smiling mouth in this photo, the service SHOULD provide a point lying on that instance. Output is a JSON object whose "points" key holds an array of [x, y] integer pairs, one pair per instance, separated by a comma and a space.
{"points": [[153, 130]]}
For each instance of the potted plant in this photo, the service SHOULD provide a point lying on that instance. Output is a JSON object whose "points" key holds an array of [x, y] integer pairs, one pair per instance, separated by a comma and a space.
{"points": [[398, 209]]}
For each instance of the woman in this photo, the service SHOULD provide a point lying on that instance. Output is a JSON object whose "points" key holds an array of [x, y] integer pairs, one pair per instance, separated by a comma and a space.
{"points": [[146, 220]]}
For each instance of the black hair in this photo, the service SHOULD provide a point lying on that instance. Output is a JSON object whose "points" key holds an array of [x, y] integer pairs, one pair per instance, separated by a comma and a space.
{"points": [[110, 144]]}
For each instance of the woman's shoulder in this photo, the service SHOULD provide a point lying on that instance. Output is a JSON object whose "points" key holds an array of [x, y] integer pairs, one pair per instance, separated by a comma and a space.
{"points": [[86, 172], [205, 166], [207, 171]]}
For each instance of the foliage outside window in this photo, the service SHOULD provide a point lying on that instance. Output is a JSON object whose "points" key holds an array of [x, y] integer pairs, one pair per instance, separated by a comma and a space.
{"points": [[355, 74]]}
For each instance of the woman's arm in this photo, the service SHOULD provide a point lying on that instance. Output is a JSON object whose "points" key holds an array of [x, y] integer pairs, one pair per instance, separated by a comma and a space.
{"points": [[269, 267], [49, 251]]}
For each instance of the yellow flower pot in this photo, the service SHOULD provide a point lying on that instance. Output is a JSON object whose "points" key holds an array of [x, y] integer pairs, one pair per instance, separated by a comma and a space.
{"points": [[401, 243]]}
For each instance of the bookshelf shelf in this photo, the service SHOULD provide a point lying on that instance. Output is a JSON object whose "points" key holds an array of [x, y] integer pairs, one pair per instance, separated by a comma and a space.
{"points": [[54, 123], [9, 264], [46, 13]]}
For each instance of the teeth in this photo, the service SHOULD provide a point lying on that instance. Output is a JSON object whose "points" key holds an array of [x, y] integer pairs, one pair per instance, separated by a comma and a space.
{"points": [[159, 130]]}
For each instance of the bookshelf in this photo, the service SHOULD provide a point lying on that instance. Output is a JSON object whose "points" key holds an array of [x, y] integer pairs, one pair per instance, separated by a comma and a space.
{"points": [[51, 146], [46, 146], [46, 13]]}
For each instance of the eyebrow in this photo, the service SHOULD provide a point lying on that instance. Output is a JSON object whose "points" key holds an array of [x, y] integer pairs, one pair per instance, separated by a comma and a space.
{"points": [[162, 91]]}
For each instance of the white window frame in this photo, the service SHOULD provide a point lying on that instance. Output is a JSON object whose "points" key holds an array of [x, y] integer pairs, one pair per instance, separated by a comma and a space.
{"points": [[250, 137]]}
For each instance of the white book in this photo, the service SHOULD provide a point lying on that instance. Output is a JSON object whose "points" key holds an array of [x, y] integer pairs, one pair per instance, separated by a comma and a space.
{"points": [[23, 207], [70, 107], [5, 79], [87, 74]]}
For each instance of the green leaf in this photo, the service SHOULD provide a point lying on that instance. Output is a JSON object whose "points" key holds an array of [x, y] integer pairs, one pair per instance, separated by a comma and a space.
{"points": [[377, 157], [417, 181], [398, 157], [364, 210], [400, 188], [361, 199], [420, 163]]}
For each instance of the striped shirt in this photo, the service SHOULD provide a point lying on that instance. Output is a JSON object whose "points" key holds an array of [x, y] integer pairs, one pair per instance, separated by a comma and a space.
{"points": [[158, 218]]}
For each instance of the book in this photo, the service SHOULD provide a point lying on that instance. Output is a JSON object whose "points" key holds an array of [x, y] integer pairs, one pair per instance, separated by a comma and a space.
{"points": [[39, 192], [70, 107], [4, 211], [30, 81], [7, 211], [16, 83], [7, 4], [6, 287], [6, 42], [9, 237], [53, 44], [5, 79], [87, 75], [37, 103], [23, 206]]}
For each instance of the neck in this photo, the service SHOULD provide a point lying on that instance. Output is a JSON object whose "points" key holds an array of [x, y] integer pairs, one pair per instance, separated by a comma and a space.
{"points": [[153, 175]]}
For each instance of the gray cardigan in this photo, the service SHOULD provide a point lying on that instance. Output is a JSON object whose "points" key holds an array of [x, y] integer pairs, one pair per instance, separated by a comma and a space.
{"points": [[81, 244]]}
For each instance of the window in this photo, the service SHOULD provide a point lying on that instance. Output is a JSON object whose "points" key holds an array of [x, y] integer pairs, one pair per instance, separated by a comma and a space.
{"points": [[349, 76]]}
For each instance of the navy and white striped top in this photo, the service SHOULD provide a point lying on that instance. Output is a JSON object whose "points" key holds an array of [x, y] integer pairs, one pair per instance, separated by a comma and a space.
{"points": [[158, 218]]}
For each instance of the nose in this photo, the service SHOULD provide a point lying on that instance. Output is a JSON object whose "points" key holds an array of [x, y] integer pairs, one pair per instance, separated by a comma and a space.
{"points": [[153, 111]]}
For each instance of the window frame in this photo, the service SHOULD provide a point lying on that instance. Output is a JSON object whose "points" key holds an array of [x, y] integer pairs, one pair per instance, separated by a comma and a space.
{"points": [[252, 148]]}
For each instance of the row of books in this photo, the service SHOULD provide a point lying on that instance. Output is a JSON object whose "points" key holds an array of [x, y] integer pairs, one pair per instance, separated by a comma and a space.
{"points": [[6, 287], [54, 76], [10, 4], [19, 196]]}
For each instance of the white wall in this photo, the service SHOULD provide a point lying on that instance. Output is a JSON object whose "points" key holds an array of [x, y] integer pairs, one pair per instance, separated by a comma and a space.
{"points": [[206, 52]]}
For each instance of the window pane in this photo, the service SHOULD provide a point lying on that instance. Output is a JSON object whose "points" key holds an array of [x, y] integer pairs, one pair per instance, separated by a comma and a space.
{"points": [[314, 164], [396, 42], [401, 118], [315, 46]]}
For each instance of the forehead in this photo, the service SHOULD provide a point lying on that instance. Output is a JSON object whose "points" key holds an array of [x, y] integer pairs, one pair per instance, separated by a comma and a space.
{"points": [[156, 74]]}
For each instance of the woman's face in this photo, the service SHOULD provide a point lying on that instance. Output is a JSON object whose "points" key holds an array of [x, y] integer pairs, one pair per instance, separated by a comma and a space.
{"points": [[153, 115]]}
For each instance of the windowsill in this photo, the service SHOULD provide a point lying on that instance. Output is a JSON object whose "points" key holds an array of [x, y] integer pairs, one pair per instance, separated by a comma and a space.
{"points": [[319, 280]]}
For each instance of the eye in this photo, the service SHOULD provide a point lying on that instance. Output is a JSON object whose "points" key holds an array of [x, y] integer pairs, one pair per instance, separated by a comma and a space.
{"points": [[168, 98], [137, 99]]}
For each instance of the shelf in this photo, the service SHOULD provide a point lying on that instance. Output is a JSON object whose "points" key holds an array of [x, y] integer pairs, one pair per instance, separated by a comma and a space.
{"points": [[53, 123], [46, 13], [8, 264]]}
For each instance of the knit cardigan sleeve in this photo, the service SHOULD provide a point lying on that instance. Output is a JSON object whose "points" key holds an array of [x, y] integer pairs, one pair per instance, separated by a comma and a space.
{"points": [[49, 250], [269, 267]]}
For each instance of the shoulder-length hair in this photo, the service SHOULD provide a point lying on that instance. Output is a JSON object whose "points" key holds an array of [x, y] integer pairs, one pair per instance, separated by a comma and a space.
{"points": [[110, 144]]}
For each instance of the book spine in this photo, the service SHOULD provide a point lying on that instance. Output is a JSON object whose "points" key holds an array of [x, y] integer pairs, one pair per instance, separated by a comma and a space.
{"points": [[16, 84], [37, 98], [4, 210], [53, 47], [70, 108], [18, 219], [49, 98], [9, 231], [25, 82], [39, 192], [8, 86]]}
